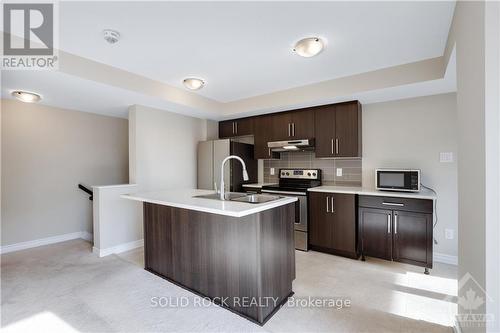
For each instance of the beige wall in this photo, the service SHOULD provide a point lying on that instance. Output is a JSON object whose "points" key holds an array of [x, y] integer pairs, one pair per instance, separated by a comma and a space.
{"points": [[163, 148], [46, 152], [411, 133], [475, 34]]}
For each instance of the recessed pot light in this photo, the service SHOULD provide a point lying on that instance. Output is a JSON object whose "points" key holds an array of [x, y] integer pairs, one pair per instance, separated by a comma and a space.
{"points": [[309, 47], [193, 83], [25, 96]]}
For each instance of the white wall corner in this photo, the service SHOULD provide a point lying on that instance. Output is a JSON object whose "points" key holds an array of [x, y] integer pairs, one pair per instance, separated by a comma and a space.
{"points": [[445, 259], [118, 248]]}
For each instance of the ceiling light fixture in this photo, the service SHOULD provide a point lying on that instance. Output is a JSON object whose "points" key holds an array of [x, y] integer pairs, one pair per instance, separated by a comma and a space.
{"points": [[25, 96], [309, 47], [193, 83], [111, 36]]}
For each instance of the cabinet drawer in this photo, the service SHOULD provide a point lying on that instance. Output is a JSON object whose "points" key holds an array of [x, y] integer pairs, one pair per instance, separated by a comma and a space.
{"points": [[395, 203]]}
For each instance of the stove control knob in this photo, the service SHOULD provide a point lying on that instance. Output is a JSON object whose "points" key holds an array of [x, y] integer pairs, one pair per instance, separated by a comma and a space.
{"points": [[282, 173], [314, 174], [309, 174], [288, 174]]}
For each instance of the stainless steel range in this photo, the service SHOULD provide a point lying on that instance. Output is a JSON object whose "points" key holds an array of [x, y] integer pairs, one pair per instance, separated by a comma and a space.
{"points": [[295, 182]]}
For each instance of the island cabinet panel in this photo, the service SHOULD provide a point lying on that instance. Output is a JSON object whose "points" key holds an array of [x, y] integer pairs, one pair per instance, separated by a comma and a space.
{"points": [[225, 258], [332, 223]]}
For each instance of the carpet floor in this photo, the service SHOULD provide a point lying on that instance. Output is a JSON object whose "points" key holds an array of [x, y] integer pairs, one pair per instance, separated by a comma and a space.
{"points": [[65, 288]]}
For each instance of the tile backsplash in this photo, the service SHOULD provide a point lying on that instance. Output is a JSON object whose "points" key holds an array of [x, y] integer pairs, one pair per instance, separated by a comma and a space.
{"points": [[351, 168]]}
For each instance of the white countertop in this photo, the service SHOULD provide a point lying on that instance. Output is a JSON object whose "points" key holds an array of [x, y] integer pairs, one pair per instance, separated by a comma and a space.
{"points": [[185, 199], [423, 194], [258, 185]]}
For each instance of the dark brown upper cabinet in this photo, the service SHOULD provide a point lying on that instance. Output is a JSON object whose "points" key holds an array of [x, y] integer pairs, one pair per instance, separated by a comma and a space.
{"points": [[293, 125], [236, 127], [262, 135], [338, 130], [332, 223]]}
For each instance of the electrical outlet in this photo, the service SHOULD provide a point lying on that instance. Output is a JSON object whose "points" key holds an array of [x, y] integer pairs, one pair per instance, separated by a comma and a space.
{"points": [[446, 157], [449, 233], [271, 171], [339, 172]]}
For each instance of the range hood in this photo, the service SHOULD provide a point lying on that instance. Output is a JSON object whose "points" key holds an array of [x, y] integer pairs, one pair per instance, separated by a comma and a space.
{"points": [[292, 145]]}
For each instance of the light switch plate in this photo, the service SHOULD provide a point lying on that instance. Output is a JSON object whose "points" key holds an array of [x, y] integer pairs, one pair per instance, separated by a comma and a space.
{"points": [[446, 157], [339, 172], [449, 233], [271, 171]]}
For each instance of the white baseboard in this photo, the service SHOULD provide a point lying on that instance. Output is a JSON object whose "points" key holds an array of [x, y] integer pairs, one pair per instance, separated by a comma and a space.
{"points": [[445, 258], [118, 248], [46, 241], [456, 327]]}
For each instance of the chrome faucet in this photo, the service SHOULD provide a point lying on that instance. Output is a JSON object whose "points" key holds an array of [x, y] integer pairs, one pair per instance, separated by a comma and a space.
{"points": [[245, 174]]}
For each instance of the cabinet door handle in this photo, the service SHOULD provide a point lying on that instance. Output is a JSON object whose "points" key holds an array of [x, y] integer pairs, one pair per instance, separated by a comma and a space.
{"points": [[232, 123], [236, 126], [293, 129], [337, 146], [393, 204], [327, 209], [389, 223], [269, 151], [289, 129], [333, 205], [332, 146], [395, 224]]}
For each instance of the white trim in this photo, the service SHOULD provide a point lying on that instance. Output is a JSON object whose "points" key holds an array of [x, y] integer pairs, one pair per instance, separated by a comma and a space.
{"points": [[445, 258], [118, 248], [45, 241], [87, 236], [456, 326]]}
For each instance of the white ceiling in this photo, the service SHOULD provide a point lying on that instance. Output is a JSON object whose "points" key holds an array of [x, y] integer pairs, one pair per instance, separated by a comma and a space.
{"points": [[71, 92], [243, 49], [74, 93]]}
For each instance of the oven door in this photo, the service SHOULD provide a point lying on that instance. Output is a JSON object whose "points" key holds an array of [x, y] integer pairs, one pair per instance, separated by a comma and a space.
{"points": [[300, 225]]}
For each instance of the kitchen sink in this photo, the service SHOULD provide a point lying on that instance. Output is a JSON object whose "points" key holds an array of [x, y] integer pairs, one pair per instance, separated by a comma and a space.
{"points": [[241, 197], [227, 196], [256, 198]]}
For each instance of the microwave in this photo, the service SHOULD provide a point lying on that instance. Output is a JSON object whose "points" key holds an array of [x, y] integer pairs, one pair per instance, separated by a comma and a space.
{"points": [[405, 180]]}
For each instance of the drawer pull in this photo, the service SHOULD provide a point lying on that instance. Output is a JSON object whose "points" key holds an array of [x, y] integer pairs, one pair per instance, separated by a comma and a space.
{"points": [[395, 224], [389, 223], [393, 204]]}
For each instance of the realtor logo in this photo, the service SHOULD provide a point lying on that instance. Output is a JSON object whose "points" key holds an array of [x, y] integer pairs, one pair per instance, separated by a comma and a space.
{"points": [[29, 36], [472, 303]]}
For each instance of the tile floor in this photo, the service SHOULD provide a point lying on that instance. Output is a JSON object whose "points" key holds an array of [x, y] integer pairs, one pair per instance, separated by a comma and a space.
{"points": [[64, 287]]}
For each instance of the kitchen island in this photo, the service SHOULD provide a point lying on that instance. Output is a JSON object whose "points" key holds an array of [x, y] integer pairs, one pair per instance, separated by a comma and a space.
{"points": [[241, 255]]}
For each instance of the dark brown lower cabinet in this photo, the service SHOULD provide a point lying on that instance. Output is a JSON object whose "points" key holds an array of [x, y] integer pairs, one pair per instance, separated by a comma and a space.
{"points": [[403, 235], [375, 228], [413, 238], [332, 223]]}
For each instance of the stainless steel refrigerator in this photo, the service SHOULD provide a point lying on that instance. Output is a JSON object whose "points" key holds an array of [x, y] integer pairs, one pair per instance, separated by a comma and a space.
{"points": [[210, 156]]}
